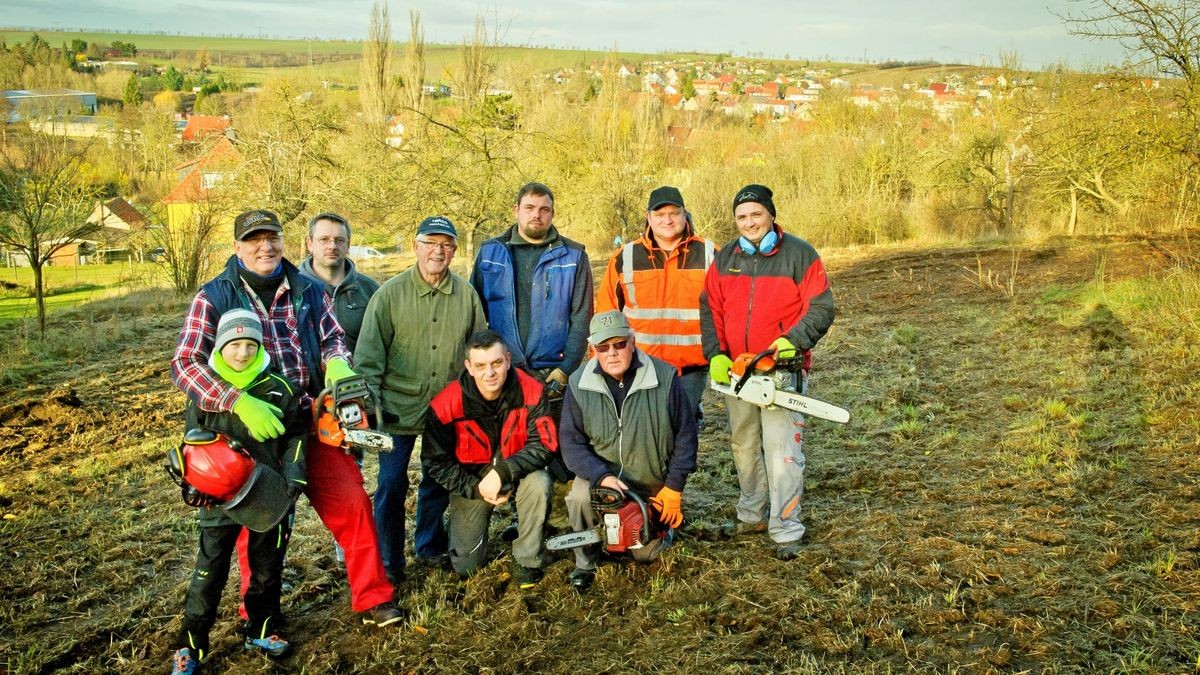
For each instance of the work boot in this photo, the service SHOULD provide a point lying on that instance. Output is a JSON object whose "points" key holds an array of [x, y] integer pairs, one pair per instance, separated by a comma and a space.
{"points": [[788, 550], [527, 577], [581, 580], [382, 615], [183, 663], [272, 645]]}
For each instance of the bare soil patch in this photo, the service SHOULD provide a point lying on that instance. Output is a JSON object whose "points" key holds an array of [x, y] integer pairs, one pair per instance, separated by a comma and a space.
{"points": [[1018, 490]]}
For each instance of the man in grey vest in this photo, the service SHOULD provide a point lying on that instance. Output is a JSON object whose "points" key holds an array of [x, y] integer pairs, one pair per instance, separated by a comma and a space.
{"points": [[627, 424]]}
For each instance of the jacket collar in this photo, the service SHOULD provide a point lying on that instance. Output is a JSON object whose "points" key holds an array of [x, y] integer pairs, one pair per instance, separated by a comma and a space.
{"points": [[306, 268]]}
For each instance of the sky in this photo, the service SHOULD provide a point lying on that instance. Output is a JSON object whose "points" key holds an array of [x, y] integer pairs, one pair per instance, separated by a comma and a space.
{"points": [[961, 31]]}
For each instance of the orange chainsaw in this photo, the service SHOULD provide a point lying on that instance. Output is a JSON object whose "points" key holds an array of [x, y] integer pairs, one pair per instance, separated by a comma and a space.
{"points": [[340, 417], [768, 381]]}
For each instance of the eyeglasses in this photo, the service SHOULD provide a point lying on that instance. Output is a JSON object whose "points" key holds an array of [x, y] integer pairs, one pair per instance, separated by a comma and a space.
{"points": [[619, 344], [325, 241], [445, 246]]}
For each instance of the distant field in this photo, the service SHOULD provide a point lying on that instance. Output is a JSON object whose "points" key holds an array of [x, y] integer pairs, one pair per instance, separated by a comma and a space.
{"points": [[549, 57], [192, 42]]}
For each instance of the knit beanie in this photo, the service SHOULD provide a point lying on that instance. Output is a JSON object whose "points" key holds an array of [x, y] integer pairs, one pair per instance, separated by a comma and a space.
{"points": [[238, 324], [755, 193]]}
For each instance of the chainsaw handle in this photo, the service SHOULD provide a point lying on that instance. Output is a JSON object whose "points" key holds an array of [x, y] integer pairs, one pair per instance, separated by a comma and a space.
{"points": [[766, 353], [647, 535], [318, 403]]}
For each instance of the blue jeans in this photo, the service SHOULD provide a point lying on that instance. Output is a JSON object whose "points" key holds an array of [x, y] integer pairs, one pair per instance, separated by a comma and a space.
{"points": [[392, 489]]}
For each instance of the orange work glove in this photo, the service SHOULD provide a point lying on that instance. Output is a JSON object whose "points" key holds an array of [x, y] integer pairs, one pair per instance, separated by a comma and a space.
{"points": [[669, 504]]}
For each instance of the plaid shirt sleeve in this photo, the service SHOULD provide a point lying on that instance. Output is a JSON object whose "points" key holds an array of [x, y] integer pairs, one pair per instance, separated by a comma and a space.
{"points": [[189, 366], [333, 338]]}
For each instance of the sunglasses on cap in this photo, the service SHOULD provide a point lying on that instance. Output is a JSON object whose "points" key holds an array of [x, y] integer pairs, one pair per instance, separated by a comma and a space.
{"points": [[619, 344]]}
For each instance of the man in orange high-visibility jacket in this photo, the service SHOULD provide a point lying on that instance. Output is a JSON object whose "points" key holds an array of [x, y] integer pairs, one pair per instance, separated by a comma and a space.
{"points": [[656, 280]]}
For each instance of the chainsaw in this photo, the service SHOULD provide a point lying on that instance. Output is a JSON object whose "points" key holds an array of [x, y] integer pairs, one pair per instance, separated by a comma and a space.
{"points": [[626, 524], [770, 382], [340, 417]]}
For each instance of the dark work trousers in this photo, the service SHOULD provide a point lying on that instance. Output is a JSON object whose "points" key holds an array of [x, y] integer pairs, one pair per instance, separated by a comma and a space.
{"points": [[266, 551]]}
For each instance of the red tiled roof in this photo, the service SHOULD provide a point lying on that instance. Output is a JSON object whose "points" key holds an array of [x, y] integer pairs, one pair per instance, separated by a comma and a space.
{"points": [[189, 190], [125, 211], [199, 126]]}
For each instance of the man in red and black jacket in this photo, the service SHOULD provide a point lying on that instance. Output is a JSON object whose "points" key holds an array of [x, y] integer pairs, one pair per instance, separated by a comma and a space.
{"points": [[488, 438], [766, 289]]}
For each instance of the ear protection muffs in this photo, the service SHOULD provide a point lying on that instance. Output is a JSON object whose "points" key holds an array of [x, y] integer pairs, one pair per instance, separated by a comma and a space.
{"points": [[765, 245]]}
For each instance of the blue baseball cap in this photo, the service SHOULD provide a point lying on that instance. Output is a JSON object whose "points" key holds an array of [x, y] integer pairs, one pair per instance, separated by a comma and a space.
{"points": [[437, 225]]}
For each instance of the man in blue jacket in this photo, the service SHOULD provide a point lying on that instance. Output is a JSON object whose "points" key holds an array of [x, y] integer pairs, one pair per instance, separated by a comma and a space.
{"points": [[536, 289]]}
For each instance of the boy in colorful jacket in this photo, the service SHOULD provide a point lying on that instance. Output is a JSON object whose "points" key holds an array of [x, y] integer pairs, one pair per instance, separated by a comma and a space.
{"points": [[239, 359]]}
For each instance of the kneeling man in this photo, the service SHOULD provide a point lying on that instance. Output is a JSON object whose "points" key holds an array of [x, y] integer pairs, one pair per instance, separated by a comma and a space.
{"points": [[488, 438]]}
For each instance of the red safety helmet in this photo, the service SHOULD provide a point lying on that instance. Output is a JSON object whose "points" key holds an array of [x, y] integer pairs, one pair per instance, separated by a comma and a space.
{"points": [[213, 463]]}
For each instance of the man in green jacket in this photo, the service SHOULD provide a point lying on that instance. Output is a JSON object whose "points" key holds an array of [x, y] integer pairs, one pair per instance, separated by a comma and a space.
{"points": [[411, 347]]}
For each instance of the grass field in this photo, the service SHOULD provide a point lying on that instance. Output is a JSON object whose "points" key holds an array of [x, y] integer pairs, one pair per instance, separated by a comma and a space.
{"points": [[92, 281], [1016, 492]]}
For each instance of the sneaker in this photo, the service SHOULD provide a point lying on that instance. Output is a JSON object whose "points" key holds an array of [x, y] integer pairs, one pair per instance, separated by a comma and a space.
{"points": [[183, 663], [272, 645], [581, 580], [788, 550], [741, 528], [527, 577], [382, 615]]}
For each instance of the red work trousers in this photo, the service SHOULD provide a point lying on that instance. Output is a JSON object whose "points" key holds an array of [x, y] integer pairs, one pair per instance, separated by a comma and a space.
{"points": [[335, 490]]}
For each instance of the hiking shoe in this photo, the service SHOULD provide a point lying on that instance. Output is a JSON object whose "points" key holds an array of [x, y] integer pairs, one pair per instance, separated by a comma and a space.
{"points": [[527, 577], [741, 528], [382, 615], [788, 550], [183, 663], [581, 580], [273, 645]]}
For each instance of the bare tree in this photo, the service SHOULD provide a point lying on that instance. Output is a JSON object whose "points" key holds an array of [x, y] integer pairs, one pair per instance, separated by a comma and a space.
{"points": [[45, 198], [1162, 35], [413, 68], [285, 139], [478, 59], [377, 88]]}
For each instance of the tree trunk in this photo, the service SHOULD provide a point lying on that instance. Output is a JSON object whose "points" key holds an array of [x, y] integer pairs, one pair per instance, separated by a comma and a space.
{"points": [[39, 294], [1073, 218]]}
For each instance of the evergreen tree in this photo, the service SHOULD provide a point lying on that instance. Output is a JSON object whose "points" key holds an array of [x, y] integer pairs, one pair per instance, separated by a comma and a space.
{"points": [[133, 90]]}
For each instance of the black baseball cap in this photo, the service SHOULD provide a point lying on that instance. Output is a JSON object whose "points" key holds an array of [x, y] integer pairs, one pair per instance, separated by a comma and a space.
{"points": [[663, 196], [253, 221]]}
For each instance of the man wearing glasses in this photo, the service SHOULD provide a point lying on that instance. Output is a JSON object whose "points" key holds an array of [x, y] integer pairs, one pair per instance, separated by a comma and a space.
{"points": [[410, 348], [627, 424], [328, 246]]}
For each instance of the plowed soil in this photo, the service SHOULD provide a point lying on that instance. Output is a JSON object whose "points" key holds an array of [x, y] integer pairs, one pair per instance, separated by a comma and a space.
{"points": [[1018, 490]]}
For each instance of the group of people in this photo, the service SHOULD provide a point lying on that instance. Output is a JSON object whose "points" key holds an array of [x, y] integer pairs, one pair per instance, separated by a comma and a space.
{"points": [[513, 378]]}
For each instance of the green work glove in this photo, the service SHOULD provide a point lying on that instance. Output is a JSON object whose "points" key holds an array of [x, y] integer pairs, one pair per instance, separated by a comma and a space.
{"points": [[718, 369], [784, 348], [337, 369], [261, 418]]}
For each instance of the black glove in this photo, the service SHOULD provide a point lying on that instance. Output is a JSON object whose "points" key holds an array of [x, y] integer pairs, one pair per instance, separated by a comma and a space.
{"points": [[193, 497]]}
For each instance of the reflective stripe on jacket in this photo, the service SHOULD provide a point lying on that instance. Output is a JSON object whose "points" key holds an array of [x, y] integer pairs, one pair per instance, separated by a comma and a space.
{"points": [[659, 292]]}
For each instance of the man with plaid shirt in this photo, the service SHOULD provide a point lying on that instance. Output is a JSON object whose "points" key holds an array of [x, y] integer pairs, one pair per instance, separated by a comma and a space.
{"points": [[302, 337]]}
